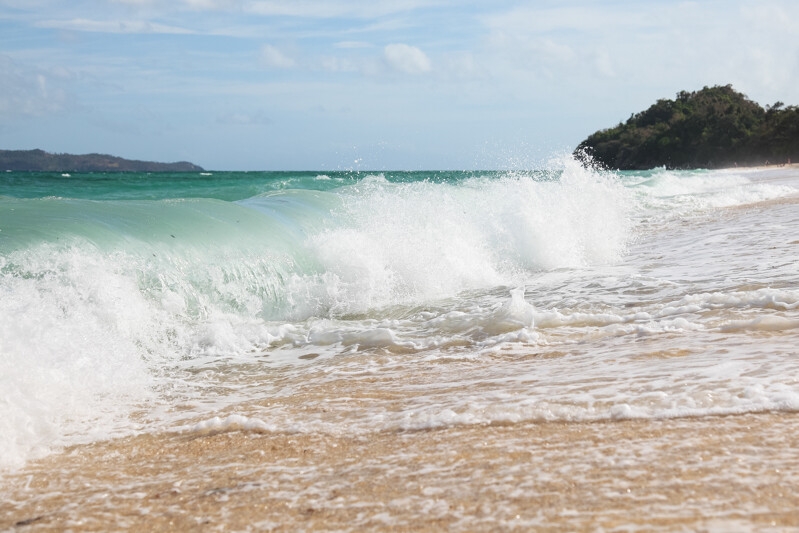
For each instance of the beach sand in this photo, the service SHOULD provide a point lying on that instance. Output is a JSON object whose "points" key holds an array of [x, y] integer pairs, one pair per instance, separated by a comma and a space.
{"points": [[731, 473]]}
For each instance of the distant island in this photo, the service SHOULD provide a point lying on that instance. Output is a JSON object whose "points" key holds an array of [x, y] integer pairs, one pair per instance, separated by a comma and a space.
{"points": [[41, 161], [712, 128]]}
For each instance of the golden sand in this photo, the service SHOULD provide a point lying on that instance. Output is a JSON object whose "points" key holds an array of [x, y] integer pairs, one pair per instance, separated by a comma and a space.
{"points": [[711, 473]]}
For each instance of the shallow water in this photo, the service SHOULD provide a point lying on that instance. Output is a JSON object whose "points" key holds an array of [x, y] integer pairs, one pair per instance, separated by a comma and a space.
{"points": [[733, 473]]}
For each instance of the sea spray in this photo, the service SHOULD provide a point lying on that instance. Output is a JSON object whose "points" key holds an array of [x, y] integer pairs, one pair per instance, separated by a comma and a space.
{"points": [[404, 242], [73, 337], [662, 195]]}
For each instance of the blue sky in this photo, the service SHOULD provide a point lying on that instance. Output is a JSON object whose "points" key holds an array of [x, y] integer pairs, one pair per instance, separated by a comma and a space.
{"points": [[372, 84]]}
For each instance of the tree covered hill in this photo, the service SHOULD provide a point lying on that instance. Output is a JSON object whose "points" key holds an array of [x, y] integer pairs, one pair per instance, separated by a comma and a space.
{"points": [[41, 161], [712, 128]]}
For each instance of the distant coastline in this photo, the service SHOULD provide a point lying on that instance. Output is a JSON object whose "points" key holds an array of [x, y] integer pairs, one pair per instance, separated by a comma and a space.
{"points": [[41, 161]]}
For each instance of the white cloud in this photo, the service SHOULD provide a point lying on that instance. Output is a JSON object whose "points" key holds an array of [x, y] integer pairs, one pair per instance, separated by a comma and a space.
{"points": [[257, 118], [407, 59], [274, 58], [604, 64], [335, 64], [29, 92], [528, 20], [461, 66], [290, 8], [333, 8], [192, 4], [112, 26], [352, 44], [211, 4]]}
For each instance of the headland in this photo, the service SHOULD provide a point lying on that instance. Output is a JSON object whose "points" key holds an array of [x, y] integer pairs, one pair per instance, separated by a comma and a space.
{"points": [[41, 161], [715, 127]]}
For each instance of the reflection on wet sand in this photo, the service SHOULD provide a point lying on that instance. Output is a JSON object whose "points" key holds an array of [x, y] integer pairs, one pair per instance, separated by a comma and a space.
{"points": [[712, 473]]}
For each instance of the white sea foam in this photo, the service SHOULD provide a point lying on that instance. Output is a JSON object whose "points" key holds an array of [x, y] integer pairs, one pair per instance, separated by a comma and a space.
{"points": [[394, 243], [673, 194], [764, 323], [233, 423], [500, 299], [71, 368]]}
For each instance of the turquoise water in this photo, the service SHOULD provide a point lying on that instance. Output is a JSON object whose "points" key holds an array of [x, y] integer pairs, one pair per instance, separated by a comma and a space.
{"points": [[228, 186], [136, 302], [376, 234]]}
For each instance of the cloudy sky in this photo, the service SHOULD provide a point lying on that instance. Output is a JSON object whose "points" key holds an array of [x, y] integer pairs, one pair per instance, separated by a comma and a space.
{"points": [[369, 84]]}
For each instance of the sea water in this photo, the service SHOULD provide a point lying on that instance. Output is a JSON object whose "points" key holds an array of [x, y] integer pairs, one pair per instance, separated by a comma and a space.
{"points": [[352, 303]]}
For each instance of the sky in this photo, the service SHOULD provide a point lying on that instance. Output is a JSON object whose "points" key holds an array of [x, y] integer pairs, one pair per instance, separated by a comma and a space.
{"points": [[369, 84]]}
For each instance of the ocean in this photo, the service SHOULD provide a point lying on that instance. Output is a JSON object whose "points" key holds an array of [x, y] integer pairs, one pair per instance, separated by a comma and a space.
{"points": [[567, 348]]}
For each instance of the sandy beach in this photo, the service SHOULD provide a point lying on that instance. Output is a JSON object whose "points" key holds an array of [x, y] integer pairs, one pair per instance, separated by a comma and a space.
{"points": [[732, 473]]}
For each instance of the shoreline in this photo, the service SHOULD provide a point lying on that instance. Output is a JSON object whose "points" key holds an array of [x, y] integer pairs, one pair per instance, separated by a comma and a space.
{"points": [[714, 472], [787, 166], [761, 168]]}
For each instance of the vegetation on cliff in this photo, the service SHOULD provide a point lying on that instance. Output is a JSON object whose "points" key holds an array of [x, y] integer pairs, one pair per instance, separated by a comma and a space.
{"points": [[41, 161], [712, 128]]}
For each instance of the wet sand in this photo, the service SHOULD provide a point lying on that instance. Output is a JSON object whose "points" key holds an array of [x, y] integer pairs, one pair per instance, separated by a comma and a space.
{"points": [[732, 473]]}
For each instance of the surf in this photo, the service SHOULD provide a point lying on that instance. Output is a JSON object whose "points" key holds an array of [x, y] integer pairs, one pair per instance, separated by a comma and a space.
{"points": [[121, 303]]}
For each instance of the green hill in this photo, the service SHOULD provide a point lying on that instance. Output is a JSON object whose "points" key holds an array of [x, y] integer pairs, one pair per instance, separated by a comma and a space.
{"points": [[712, 128], [41, 161]]}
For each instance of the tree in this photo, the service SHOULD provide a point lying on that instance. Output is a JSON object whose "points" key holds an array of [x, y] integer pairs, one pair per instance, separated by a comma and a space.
{"points": [[713, 127]]}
